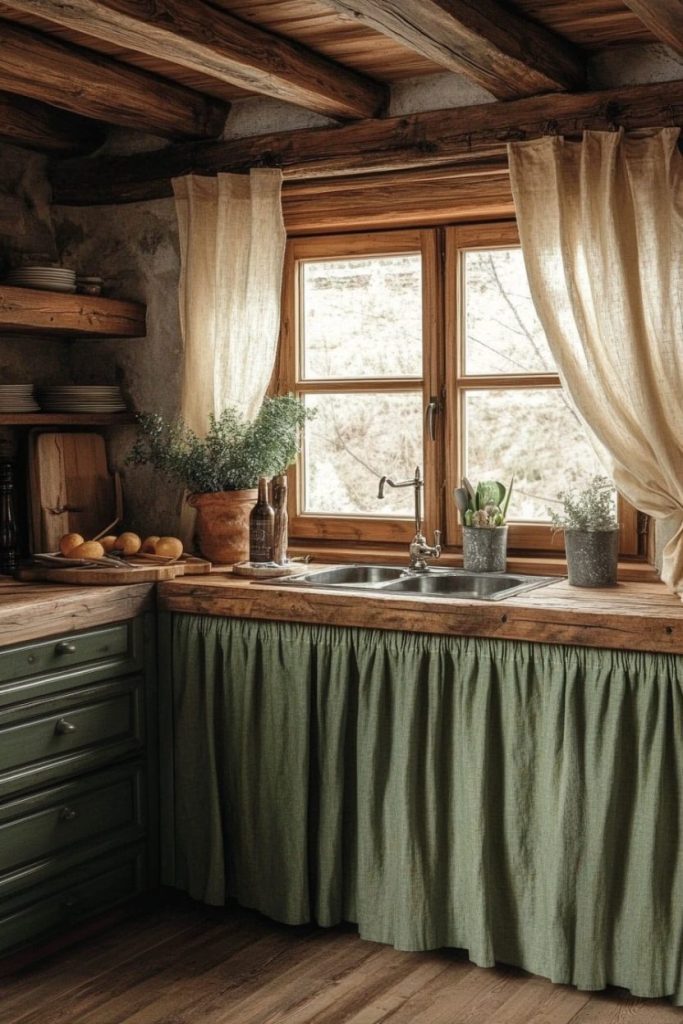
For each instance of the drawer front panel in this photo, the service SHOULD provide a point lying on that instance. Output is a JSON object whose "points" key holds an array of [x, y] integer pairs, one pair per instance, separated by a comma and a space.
{"points": [[64, 652], [57, 738], [70, 899], [37, 669], [70, 815]]}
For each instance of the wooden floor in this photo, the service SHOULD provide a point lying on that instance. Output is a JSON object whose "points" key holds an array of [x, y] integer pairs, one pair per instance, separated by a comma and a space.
{"points": [[193, 965]]}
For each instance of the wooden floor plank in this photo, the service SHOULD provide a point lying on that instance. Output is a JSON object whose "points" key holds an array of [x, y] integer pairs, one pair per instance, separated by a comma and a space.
{"points": [[190, 964]]}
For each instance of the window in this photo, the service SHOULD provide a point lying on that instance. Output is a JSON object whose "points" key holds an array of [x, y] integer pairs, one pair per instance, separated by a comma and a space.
{"points": [[369, 343], [358, 316]]}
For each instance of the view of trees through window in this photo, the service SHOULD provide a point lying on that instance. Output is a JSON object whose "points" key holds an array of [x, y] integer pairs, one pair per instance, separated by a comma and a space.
{"points": [[361, 331], [531, 433]]}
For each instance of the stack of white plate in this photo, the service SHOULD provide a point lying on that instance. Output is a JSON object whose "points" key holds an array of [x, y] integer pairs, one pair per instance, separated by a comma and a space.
{"points": [[51, 279], [82, 398], [17, 398]]}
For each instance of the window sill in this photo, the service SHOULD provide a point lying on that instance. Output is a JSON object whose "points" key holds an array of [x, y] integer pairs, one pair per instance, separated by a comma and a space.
{"points": [[392, 554]]}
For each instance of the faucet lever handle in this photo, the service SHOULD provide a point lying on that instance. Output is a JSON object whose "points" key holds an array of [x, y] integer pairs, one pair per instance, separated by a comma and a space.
{"points": [[437, 539]]}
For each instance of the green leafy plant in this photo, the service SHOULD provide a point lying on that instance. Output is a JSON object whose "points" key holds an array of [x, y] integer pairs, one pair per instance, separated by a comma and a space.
{"points": [[591, 509], [233, 454], [487, 505]]}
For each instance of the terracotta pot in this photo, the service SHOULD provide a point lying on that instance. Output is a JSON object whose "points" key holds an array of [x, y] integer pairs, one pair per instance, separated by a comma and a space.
{"points": [[223, 524]]}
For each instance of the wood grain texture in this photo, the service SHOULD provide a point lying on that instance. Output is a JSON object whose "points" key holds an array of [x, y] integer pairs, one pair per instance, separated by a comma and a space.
{"points": [[29, 611], [430, 139], [38, 126], [192, 963], [492, 45], [397, 199], [591, 24], [631, 616], [218, 45], [664, 18], [98, 87], [33, 311]]}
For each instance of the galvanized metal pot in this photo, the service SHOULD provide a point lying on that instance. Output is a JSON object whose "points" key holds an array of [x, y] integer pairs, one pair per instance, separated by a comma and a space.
{"points": [[592, 557], [484, 548]]}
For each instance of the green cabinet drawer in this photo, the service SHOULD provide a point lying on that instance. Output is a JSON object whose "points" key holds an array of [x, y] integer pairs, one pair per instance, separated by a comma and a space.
{"points": [[72, 898], [53, 820], [65, 662], [62, 736]]}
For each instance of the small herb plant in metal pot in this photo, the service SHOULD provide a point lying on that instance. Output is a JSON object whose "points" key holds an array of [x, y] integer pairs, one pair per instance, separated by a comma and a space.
{"points": [[591, 533], [484, 535]]}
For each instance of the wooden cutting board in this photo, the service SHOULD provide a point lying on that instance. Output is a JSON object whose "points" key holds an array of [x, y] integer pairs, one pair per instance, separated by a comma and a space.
{"points": [[71, 488], [102, 577]]}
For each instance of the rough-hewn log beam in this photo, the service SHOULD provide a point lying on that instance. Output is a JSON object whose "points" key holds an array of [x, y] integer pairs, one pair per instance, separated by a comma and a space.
{"points": [[494, 46], [40, 127], [217, 44], [65, 76], [431, 139], [664, 18]]}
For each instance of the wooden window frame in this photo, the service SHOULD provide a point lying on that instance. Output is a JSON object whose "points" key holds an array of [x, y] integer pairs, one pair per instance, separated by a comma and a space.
{"points": [[443, 379], [522, 536], [359, 528]]}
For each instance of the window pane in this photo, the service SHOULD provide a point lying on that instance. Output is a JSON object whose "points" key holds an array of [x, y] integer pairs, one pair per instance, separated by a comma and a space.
{"points": [[502, 331], [362, 317], [533, 435], [352, 442]]}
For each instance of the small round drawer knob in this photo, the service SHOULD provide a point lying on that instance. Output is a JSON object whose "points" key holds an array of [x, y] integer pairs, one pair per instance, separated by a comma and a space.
{"points": [[67, 814], [64, 647], [63, 728]]}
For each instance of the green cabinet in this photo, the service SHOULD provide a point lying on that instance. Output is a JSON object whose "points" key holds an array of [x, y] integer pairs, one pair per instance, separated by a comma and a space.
{"points": [[78, 778]]}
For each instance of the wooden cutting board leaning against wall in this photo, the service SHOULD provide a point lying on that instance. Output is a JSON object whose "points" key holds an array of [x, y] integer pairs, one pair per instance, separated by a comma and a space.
{"points": [[71, 488]]}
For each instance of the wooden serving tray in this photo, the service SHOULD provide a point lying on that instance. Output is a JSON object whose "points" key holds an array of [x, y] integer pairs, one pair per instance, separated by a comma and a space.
{"points": [[136, 570]]}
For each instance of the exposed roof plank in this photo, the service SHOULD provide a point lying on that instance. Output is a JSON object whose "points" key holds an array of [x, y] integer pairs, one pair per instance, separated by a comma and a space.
{"points": [[84, 83], [215, 43], [664, 18], [430, 139], [37, 126], [494, 46]]}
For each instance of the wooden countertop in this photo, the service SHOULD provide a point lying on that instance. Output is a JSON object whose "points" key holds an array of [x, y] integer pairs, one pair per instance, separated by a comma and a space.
{"points": [[630, 616], [29, 611]]}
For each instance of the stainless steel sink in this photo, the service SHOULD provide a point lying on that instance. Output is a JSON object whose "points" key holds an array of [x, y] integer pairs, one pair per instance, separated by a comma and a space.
{"points": [[436, 582], [466, 586], [348, 576]]}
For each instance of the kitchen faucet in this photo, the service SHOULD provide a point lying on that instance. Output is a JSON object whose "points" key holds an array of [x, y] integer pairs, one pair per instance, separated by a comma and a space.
{"points": [[419, 549]]}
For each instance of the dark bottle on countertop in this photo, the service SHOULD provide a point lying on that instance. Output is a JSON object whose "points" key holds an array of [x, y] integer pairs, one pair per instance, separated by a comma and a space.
{"points": [[8, 522], [281, 519], [261, 526]]}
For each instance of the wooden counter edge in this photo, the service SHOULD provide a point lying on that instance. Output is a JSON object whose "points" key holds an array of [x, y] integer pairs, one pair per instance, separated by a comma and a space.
{"points": [[33, 611], [652, 623]]}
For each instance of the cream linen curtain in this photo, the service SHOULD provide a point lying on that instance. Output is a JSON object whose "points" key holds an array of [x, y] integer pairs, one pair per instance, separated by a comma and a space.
{"points": [[232, 241], [601, 227]]}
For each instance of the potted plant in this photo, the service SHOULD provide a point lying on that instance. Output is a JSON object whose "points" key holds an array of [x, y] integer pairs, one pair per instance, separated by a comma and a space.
{"points": [[484, 533], [221, 470], [591, 533]]}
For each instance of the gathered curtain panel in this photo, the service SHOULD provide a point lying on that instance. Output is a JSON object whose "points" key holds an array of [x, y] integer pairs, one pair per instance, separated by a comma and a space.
{"points": [[601, 230], [232, 243], [521, 801]]}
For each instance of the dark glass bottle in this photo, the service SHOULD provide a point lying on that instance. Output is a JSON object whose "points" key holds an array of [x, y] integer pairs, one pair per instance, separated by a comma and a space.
{"points": [[281, 519], [261, 526], [8, 522]]}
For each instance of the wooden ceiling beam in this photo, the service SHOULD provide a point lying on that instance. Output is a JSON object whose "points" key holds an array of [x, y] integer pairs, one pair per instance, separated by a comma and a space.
{"points": [[664, 18], [215, 43], [434, 138], [494, 46], [68, 77], [37, 126]]}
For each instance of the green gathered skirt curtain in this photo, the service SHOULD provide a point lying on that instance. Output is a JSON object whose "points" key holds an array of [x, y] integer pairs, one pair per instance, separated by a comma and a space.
{"points": [[521, 801]]}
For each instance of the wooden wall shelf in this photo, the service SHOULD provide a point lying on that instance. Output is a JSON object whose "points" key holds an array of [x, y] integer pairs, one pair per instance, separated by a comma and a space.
{"points": [[65, 419], [26, 310]]}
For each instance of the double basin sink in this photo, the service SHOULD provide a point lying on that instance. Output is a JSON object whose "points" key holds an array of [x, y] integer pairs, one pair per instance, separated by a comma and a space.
{"points": [[435, 582]]}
